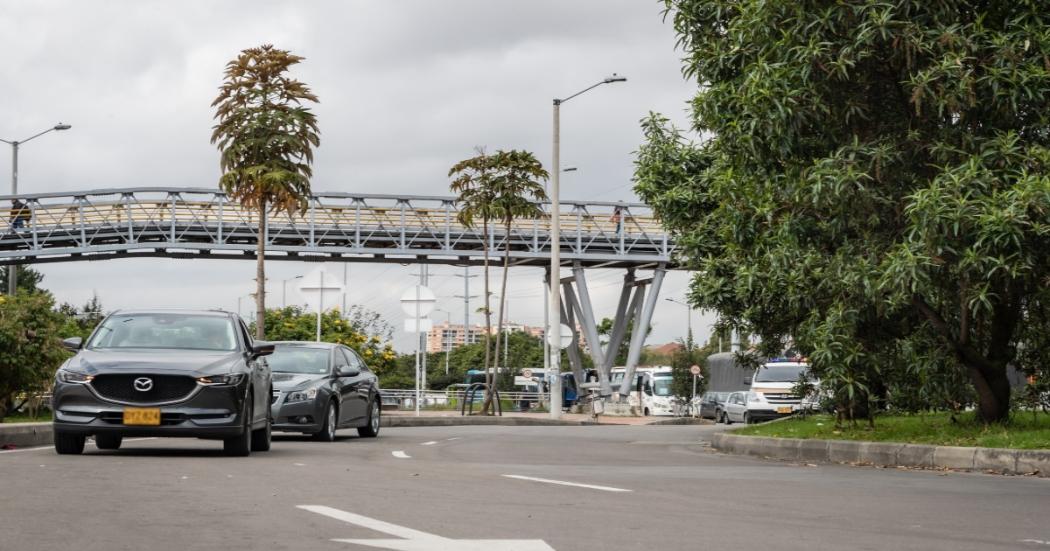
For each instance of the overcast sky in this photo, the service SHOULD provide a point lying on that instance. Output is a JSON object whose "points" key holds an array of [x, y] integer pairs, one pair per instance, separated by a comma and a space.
{"points": [[407, 89]]}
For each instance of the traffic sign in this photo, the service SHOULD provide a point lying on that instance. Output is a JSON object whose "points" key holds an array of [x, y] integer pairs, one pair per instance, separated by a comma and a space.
{"points": [[563, 340], [527, 373], [320, 289], [418, 301], [695, 370], [425, 325]]}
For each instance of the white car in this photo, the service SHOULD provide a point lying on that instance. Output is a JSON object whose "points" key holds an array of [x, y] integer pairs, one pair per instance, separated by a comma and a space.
{"points": [[749, 407]]}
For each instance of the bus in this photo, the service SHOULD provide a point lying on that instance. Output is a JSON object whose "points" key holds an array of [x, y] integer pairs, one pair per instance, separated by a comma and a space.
{"points": [[652, 384]]}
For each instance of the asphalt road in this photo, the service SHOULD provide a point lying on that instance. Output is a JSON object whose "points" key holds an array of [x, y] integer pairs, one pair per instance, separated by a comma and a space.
{"points": [[444, 487]]}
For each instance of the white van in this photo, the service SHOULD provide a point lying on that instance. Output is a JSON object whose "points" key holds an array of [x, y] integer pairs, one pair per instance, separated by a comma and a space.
{"points": [[655, 383], [772, 385]]}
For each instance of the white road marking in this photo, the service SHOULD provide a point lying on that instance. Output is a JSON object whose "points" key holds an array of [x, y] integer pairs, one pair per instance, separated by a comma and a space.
{"points": [[416, 540], [431, 443], [51, 447], [299, 464], [400, 455], [1036, 542], [453, 438], [563, 483]]}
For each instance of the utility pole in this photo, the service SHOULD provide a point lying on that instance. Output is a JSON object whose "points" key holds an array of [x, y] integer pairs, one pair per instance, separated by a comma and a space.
{"points": [[466, 296]]}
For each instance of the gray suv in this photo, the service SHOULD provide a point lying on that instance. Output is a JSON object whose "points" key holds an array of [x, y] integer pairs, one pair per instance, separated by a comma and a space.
{"points": [[165, 373]]}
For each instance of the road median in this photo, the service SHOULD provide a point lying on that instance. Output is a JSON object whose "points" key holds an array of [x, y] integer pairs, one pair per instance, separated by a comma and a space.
{"points": [[887, 454]]}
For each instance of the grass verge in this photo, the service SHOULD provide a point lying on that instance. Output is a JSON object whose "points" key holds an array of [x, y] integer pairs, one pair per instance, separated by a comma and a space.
{"points": [[1024, 431], [23, 418]]}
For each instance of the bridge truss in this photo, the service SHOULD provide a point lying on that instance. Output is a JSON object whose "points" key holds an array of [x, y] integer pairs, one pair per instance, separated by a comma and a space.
{"points": [[203, 223]]}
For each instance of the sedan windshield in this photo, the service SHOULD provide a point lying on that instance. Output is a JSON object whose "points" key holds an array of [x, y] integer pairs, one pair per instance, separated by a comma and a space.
{"points": [[172, 331], [299, 359], [780, 373]]}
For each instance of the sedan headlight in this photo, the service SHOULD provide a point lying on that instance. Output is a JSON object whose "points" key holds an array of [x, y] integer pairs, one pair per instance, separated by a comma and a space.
{"points": [[216, 380], [66, 376], [302, 395]]}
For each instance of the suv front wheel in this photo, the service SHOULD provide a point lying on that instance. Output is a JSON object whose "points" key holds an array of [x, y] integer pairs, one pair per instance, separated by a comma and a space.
{"points": [[241, 445]]}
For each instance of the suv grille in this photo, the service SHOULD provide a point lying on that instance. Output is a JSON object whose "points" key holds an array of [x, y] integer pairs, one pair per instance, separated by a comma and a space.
{"points": [[166, 388]]}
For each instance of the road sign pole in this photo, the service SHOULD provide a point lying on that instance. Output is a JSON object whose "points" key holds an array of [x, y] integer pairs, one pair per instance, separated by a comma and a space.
{"points": [[417, 349], [320, 306]]}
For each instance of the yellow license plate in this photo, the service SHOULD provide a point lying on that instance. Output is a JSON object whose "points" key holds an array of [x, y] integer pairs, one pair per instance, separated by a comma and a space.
{"points": [[784, 409], [142, 416]]}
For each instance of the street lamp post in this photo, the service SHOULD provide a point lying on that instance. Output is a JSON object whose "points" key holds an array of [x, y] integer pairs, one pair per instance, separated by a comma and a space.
{"points": [[12, 271], [444, 335], [554, 312], [689, 320], [284, 290]]}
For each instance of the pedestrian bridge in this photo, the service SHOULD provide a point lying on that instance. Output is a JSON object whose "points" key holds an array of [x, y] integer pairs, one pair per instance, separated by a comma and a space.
{"points": [[204, 223], [109, 224]]}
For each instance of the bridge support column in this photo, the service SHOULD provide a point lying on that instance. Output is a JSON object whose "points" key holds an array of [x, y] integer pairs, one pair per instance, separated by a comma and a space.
{"points": [[643, 315]]}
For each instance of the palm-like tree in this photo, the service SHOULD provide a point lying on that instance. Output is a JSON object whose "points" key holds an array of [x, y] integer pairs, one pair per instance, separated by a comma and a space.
{"points": [[497, 188], [472, 184], [517, 194], [266, 138]]}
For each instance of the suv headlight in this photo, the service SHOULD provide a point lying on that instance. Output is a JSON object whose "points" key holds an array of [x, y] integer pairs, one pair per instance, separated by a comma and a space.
{"points": [[302, 395], [216, 380], [755, 397], [66, 376]]}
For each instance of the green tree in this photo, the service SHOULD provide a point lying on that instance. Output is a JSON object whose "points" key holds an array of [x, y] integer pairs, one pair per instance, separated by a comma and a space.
{"points": [[30, 346], [873, 180], [497, 188], [266, 139], [361, 330], [28, 279]]}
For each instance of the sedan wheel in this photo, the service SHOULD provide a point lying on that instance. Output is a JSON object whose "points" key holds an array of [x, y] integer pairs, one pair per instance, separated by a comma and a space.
{"points": [[371, 429], [331, 419]]}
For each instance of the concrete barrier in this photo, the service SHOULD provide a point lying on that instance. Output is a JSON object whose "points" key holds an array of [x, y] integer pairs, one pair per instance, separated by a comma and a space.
{"points": [[887, 454], [25, 435]]}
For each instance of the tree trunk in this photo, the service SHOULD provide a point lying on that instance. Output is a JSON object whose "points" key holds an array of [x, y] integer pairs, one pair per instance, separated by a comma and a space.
{"points": [[260, 275], [488, 320], [502, 306], [993, 392]]}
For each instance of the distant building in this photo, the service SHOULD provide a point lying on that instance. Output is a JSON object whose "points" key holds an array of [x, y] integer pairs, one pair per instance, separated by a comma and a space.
{"points": [[444, 336]]}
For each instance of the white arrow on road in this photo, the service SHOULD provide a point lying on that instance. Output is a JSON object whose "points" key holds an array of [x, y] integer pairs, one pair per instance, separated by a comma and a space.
{"points": [[415, 540]]}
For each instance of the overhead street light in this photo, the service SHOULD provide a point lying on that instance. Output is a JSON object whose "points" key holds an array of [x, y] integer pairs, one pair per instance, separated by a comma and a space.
{"points": [[555, 305], [284, 290], [689, 320], [12, 271]]}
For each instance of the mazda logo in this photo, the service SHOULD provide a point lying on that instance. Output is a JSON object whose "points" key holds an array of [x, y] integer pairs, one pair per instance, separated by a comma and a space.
{"points": [[143, 384]]}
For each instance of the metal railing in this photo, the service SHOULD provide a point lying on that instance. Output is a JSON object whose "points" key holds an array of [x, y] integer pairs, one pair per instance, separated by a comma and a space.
{"points": [[195, 222]]}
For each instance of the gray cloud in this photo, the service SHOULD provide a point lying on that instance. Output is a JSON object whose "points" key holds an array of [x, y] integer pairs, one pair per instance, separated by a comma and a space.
{"points": [[407, 88]]}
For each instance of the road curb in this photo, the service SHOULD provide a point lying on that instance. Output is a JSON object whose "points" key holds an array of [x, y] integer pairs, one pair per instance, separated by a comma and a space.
{"points": [[887, 454], [24, 435]]}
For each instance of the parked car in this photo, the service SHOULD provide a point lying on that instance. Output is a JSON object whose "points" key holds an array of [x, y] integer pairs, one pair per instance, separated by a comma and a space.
{"points": [[164, 373], [749, 407], [321, 387], [709, 405]]}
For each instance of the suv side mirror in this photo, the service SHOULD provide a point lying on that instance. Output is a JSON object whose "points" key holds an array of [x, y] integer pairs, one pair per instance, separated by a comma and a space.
{"points": [[262, 348], [348, 371], [73, 344]]}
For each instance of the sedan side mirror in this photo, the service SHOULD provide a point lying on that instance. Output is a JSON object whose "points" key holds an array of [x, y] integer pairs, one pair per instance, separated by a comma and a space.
{"points": [[347, 371], [73, 344], [262, 348]]}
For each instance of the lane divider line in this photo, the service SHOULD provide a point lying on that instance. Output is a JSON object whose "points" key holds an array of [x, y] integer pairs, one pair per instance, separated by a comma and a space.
{"points": [[431, 443], [563, 483], [51, 447], [400, 455]]}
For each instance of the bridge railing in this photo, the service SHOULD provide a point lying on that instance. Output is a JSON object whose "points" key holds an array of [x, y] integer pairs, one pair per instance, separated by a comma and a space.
{"points": [[206, 218]]}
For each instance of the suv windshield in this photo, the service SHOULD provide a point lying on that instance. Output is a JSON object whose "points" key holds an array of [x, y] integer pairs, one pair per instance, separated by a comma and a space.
{"points": [[780, 373], [299, 359], [172, 331]]}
